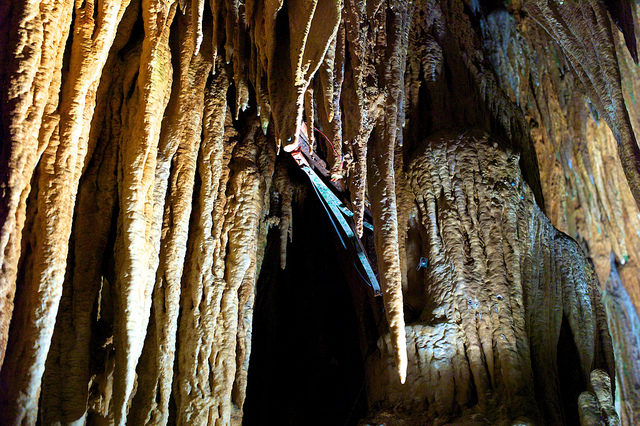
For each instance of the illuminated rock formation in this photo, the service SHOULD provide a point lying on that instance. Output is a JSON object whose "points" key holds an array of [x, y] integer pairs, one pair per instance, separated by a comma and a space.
{"points": [[498, 271], [144, 158]]}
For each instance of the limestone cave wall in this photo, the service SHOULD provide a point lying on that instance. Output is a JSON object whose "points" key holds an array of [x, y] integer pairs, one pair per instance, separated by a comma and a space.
{"points": [[149, 204]]}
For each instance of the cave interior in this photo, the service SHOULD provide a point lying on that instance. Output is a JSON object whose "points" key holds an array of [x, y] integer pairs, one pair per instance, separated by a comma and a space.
{"points": [[289, 212]]}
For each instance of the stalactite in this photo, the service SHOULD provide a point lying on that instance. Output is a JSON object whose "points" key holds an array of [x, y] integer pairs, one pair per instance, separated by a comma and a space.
{"points": [[283, 186], [235, 47], [178, 148], [310, 115], [383, 208], [623, 14], [312, 25], [206, 379], [357, 125], [197, 8], [503, 111], [201, 294], [256, 240], [139, 179], [262, 19], [214, 5], [35, 51], [382, 181], [241, 225], [326, 74], [137, 244], [69, 356], [330, 78], [59, 172]]}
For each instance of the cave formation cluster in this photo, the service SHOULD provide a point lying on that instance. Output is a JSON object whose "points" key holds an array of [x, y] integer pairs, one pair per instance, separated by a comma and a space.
{"points": [[144, 159]]}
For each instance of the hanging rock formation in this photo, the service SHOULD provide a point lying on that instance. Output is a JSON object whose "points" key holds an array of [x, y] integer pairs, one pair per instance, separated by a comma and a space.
{"points": [[144, 157]]}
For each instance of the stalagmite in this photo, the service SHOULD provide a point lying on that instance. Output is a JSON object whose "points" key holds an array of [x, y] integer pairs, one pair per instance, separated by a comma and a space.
{"points": [[470, 195], [596, 405], [626, 337]]}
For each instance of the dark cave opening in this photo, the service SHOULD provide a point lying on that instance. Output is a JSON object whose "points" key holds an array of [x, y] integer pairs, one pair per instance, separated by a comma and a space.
{"points": [[570, 374], [306, 363]]}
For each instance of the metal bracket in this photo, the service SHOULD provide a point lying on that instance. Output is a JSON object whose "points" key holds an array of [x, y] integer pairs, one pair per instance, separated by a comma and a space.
{"points": [[337, 211]]}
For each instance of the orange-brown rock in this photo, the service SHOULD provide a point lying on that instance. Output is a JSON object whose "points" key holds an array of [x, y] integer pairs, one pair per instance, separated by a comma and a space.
{"points": [[497, 271], [144, 159]]}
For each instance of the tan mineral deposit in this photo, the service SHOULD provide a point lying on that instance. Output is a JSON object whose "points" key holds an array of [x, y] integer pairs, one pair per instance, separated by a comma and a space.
{"points": [[300, 212]]}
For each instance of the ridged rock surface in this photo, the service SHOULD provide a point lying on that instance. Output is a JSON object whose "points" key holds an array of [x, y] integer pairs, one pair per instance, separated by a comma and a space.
{"points": [[144, 156], [502, 281]]}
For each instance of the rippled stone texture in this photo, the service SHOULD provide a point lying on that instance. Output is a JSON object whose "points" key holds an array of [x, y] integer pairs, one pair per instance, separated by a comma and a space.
{"points": [[500, 285]]}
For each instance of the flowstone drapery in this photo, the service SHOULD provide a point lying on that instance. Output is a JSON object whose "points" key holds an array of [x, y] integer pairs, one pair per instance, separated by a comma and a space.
{"points": [[144, 156], [501, 284]]}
